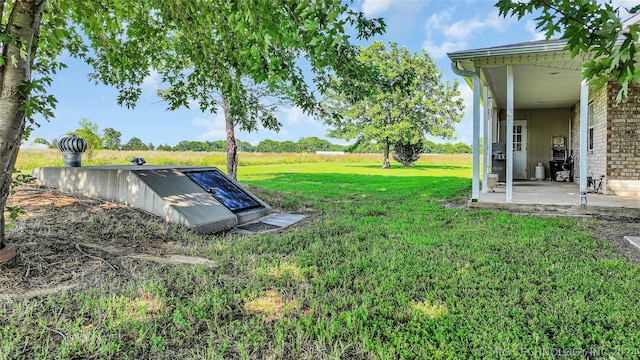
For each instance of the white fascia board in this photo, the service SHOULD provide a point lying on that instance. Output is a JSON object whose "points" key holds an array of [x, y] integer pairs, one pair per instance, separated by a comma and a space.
{"points": [[508, 50]]}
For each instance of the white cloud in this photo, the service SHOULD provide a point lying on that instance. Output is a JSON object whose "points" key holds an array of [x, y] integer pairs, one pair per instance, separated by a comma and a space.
{"points": [[295, 115], [375, 7], [530, 25], [215, 128], [463, 28], [152, 81], [193, 104], [466, 93], [438, 51], [443, 35]]}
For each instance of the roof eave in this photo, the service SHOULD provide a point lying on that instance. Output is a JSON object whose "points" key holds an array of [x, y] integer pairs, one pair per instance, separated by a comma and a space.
{"points": [[507, 50]]}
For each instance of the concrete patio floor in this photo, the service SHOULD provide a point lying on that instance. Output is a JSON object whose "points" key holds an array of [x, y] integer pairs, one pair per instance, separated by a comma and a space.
{"points": [[551, 197]]}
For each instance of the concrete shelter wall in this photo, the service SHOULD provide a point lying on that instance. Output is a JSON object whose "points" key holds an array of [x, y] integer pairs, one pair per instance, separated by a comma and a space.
{"points": [[163, 191]]}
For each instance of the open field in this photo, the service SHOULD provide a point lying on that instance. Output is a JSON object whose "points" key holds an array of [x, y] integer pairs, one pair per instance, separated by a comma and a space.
{"points": [[388, 264], [28, 159]]}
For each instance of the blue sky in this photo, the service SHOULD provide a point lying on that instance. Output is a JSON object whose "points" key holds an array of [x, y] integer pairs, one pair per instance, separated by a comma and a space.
{"points": [[439, 26]]}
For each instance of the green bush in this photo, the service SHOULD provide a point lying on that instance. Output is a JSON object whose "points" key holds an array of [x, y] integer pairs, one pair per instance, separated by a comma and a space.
{"points": [[408, 153]]}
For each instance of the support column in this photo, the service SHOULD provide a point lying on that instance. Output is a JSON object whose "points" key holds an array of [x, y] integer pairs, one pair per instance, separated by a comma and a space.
{"points": [[486, 146], [475, 184], [584, 125], [489, 105], [509, 193]]}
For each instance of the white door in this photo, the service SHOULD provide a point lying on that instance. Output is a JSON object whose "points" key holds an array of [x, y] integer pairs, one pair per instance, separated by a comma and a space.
{"points": [[520, 149]]}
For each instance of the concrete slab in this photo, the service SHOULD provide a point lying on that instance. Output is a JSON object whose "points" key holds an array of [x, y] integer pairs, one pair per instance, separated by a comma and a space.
{"points": [[633, 240], [282, 220], [269, 223], [161, 190], [557, 198]]}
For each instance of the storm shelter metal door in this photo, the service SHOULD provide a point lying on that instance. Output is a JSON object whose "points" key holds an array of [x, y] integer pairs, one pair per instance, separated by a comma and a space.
{"points": [[520, 149], [216, 184]]}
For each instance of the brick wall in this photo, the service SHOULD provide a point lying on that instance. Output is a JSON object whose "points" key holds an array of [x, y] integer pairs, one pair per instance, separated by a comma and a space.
{"points": [[574, 141], [623, 148], [598, 156]]}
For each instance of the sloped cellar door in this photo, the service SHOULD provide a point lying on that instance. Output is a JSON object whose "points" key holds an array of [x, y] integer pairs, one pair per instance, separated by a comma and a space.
{"points": [[228, 193]]}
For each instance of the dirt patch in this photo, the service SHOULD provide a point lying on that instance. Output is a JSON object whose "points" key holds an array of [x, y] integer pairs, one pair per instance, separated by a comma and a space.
{"points": [[68, 242], [613, 230]]}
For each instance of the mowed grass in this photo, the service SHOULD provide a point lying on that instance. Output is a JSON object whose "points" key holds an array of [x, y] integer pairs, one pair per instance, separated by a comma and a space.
{"points": [[381, 268], [30, 158]]}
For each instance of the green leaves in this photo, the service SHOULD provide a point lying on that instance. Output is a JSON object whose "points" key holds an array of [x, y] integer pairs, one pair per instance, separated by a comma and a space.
{"points": [[408, 100]]}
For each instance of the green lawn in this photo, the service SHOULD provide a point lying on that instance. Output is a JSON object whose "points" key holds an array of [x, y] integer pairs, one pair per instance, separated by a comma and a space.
{"points": [[380, 268]]}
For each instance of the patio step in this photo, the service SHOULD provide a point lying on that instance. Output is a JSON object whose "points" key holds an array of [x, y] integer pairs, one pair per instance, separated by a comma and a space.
{"points": [[627, 193], [624, 188]]}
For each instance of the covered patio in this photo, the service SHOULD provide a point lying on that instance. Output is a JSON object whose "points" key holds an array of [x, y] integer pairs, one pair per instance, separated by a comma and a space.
{"points": [[551, 197], [534, 111]]}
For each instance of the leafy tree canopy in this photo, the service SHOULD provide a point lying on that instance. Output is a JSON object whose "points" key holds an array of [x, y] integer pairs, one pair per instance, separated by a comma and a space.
{"points": [[111, 139], [89, 131], [411, 100], [135, 144], [591, 28], [186, 41]]}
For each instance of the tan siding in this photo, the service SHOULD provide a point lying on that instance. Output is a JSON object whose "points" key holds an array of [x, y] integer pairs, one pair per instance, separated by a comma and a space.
{"points": [[623, 139], [542, 124]]}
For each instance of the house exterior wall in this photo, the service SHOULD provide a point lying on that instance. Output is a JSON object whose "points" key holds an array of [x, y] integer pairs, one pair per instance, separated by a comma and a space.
{"points": [[623, 146], [596, 157], [542, 125], [574, 141], [616, 140]]}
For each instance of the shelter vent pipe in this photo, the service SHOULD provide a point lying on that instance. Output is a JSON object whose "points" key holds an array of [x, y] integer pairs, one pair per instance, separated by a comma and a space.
{"points": [[475, 183]]}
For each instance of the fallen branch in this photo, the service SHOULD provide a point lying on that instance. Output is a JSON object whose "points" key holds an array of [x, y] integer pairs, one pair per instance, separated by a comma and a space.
{"points": [[58, 332], [96, 257]]}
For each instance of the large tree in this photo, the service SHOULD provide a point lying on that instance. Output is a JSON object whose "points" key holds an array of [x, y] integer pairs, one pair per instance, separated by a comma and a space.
{"points": [[185, 41], [135, 144], [111, 139], [591, 27], [411, 100]]}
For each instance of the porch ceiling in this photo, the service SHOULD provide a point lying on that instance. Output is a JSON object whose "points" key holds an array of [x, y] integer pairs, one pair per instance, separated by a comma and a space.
{"points": [[545, 74], [536, 85]]}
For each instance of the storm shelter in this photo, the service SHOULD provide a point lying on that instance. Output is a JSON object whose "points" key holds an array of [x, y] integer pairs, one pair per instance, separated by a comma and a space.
{"points": [[202, 198]]}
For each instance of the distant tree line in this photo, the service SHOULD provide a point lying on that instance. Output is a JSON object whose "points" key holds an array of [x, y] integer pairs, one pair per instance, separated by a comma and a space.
{"points": [[111, 140], [446, 148]]}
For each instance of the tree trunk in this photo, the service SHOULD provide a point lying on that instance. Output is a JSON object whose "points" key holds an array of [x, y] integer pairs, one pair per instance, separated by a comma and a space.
{"points": [[385, 162], [23, 24], [232, 148]]}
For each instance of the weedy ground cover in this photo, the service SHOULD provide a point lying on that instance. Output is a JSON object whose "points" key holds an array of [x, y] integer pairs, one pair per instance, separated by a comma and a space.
{"points": [[385, 266]]}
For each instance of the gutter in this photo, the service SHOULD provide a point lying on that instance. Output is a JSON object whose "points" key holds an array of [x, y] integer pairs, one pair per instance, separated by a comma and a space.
{"points": [[475, 183], [527, 48], [542, 46], [456, 70]]}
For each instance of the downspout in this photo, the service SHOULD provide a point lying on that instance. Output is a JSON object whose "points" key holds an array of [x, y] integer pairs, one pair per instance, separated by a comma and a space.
{"points": [[475, 183]]}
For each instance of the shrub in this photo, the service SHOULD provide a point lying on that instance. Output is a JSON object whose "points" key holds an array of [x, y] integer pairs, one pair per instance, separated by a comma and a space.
{"points": [[407, 153]]}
